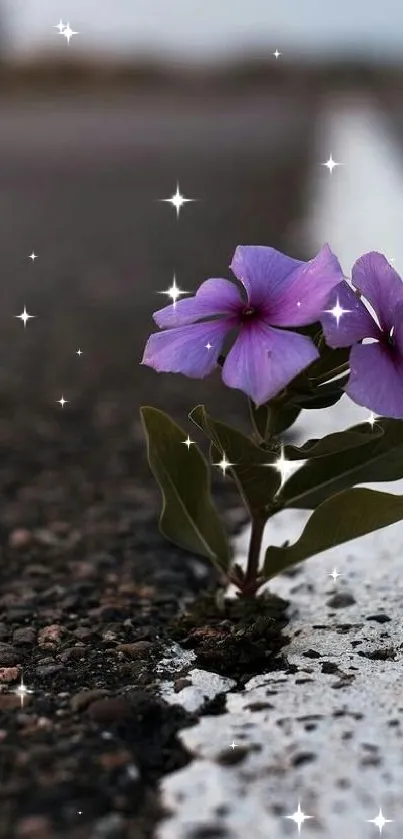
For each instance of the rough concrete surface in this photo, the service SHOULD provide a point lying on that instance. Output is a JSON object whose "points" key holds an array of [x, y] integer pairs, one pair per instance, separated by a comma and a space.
{"points": [[327, 732]]}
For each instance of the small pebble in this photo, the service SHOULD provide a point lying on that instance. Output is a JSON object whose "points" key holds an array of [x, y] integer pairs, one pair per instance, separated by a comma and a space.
{"points": [[84, 698], [34, 827], [20, 538], [72, 653], [24, 635], [114, 760], [340, 600], [109, 827], [10, 700], [110, 710], [9, 655], [83, 633], [50, 635], [381, 618], [48, 669], [9, 674], [138, 649]]}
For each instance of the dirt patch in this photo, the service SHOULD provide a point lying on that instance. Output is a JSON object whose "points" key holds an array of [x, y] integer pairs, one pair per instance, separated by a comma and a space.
{"points": [[239, 640]]}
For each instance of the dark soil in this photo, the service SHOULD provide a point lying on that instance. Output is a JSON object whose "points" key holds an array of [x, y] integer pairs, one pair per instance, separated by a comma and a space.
{"points": [[239, 640], [90, 592]]}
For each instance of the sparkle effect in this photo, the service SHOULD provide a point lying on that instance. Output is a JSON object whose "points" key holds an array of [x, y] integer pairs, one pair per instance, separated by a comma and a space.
{"points": [[188, 442], [79, 352], [298, 817], [224, 464], [25, 317], [379, 821], [22, 691], [68, 33], [33, 256], [285, 467], [174, 292], [372, 419], [277, 54], [60, 26], [177, 200], [63, 401], [331, 164], [337, 311], [335, 574], [209, 346], [233, 745]]}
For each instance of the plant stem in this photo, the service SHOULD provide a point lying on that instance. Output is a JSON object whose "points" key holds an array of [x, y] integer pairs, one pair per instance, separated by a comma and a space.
{"points": [[249, 585], [271, 423]]}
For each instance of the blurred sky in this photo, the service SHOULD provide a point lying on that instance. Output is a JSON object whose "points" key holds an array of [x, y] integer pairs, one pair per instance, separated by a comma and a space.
{"points": [[211, 28]]}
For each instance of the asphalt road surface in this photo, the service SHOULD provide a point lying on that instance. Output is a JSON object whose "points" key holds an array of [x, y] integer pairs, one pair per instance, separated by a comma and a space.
{"points": [[80, 180]]}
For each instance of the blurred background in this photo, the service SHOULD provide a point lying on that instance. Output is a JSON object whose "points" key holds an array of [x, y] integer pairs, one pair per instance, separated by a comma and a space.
{"points": [[239, 103]]}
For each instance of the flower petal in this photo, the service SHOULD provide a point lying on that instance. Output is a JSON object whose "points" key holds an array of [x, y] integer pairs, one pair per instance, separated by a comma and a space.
{"points": [[264, 360], [301, 298], [262, 271], [353, 325], [214, 297], [380, 284], [376, 379], [398, 327], [184, 350]]}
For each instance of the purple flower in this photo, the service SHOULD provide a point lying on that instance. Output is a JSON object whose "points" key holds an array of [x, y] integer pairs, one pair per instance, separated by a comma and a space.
{"points": [[376, 378], [278, 291]]}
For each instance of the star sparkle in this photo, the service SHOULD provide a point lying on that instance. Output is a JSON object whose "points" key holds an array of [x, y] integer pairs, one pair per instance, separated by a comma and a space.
{"points": [[79, 352], [60, 26], [178, 200], [285, 467], [331, 164], [335, 574], [33, 256], [224, 464], [337, 311], [209, 346], [188, 442], [299, 817], [277, 54], [174, 291], [22, 691], [233, 745], [25, 317], [372, 419], [68, 33], [379, 821], [62, 401]]}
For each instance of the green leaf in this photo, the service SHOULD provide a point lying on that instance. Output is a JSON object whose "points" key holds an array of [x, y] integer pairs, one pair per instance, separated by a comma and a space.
{"points": [[256, 479], [357, 435], [274, 417], [312, 330], [285, 417], [188, 517], [315, 397], [320, 477], [323, 368], [345, 516]]}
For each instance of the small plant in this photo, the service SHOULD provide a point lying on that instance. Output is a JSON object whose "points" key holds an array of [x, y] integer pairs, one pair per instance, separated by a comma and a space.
{"points": [[300, 332]]}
